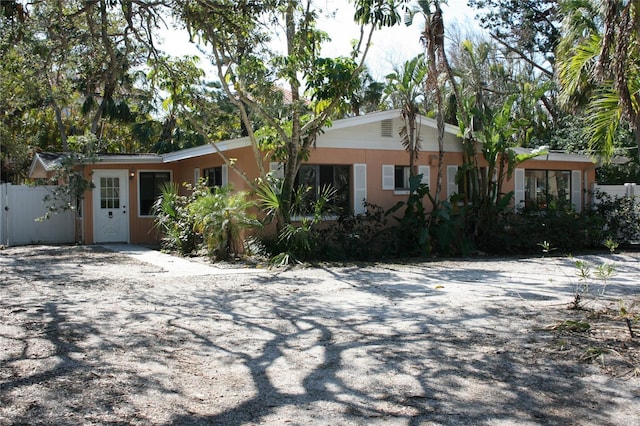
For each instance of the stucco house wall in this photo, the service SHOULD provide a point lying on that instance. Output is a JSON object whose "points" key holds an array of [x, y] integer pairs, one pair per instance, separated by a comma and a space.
{"points": [[369, 145]]}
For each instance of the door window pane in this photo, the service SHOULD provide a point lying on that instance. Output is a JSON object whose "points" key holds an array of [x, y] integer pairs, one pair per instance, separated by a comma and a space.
{"points": [[109, 193]]}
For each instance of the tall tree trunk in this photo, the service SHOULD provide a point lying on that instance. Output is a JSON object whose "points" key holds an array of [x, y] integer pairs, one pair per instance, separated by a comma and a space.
{"points": [[293, 142], [61, 128]]}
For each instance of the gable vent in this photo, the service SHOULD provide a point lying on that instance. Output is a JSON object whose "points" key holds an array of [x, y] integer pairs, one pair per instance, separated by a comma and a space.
{"points": [[386, 128]]}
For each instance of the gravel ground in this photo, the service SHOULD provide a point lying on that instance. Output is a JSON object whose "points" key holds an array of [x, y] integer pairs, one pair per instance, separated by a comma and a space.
{"points": [[92, 336]]}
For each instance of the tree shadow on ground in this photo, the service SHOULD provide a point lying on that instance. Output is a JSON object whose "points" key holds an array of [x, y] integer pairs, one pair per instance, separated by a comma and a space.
{"points": [[379, 361], [339, 346]]}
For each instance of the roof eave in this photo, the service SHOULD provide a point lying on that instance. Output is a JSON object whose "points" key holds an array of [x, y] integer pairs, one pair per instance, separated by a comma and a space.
{"points": [[198, 151], [557, 156], [130, 159], [386, 115]]}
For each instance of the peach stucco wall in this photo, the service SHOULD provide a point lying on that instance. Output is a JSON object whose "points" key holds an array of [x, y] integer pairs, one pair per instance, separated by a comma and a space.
{"points": [[243, 157], [373, 158], [141, 229]]}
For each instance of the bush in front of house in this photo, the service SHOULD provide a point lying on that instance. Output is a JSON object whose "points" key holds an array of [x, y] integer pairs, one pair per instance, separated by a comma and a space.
{"points": [[565, 230], [212, 219], [622, 216], [220, 217], [361, 237], [173, 219]]}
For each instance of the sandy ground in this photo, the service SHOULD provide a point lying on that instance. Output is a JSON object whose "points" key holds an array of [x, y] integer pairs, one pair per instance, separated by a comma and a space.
{"points": [[90, 336]]}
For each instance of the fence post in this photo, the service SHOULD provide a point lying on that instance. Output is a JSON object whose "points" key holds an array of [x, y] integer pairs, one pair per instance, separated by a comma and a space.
{"points": [[630, 188], [3, 214]]}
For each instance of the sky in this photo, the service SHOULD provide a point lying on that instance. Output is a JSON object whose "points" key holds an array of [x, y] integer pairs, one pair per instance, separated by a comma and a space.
{"points": [[390, 46]]}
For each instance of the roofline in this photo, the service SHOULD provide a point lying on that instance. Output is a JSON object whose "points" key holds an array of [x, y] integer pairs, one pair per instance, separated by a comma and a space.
{"points": [[130, 159], [387, 115], [556, 156], [35, 162], [342, 123], [206, 149]]}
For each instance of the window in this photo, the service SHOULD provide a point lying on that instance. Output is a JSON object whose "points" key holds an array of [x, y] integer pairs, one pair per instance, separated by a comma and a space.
{"points": [[315, 177], [401, 176], [547, 189], [466, 184], [397, 177], [213, 176], [149, 189], [109, 193]]}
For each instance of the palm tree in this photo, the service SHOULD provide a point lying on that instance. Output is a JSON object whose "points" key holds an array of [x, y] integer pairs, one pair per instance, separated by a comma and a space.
{"points": [[437, 67], [405, 90], [599, 68]]}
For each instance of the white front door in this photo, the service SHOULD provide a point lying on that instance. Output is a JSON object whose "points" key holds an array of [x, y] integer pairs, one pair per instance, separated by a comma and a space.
{"points": [[110, 206]]}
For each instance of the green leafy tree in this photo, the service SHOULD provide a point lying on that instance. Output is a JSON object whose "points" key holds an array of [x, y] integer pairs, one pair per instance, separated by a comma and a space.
{"points": [[76, 62], [293, 93], [528, 33], [190, 107], [366, 98], [529, 29]]}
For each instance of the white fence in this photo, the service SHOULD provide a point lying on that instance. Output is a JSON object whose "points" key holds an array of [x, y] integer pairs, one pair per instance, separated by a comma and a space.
{"points": [[20, 206], [626, 190]]}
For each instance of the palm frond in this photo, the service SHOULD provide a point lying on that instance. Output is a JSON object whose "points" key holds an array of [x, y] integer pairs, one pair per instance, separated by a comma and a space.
{"points": [[603, 116]]}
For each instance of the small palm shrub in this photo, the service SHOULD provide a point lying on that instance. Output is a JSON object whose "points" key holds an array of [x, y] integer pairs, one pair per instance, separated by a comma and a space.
{"points": [[173, 219], [221, 217], [300, 239]]}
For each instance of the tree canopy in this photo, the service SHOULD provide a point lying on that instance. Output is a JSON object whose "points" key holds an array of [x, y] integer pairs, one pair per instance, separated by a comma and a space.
{"points": [[74, 68]]}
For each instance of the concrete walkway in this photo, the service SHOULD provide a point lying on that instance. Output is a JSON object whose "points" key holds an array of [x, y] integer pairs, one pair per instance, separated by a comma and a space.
{"points": [[174, 265]]}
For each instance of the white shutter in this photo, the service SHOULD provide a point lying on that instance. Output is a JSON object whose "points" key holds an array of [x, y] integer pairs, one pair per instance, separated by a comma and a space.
{"points": [[576, 190], [388, 176], [518, 193], [424, 171], [359, 187], [225, 175], [196, 175], [277, 169], [452, 186]]}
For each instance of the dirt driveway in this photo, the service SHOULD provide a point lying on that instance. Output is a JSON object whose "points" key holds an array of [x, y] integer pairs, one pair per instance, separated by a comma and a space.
{"points": [[89, 336]]}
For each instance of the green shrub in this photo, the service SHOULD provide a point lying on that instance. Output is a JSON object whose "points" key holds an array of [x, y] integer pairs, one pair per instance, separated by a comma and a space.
{"points": [[411, 234], [173, 219], [359, 237], [221, 217], [566, 230], [622, 216]]}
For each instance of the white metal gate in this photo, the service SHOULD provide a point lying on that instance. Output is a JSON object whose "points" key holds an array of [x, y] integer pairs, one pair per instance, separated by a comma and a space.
{"points": [[20, 206]]}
